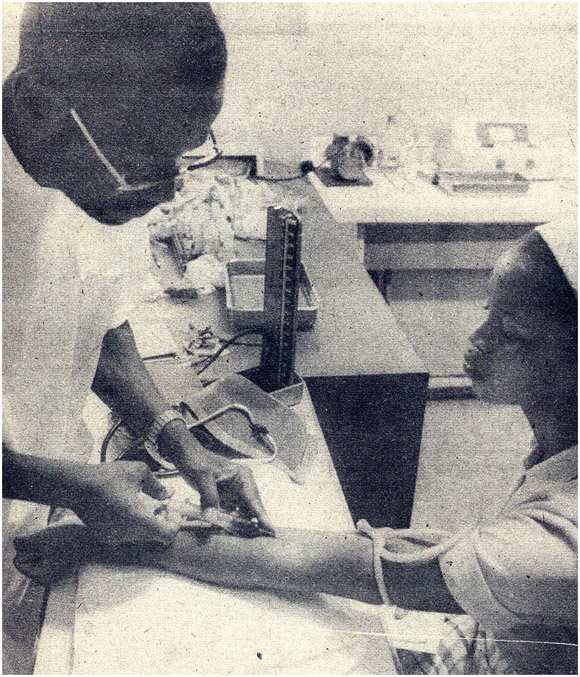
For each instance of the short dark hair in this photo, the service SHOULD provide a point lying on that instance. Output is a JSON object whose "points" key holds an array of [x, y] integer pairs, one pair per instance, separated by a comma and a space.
{"points": [[87, 39], [550, 285]]}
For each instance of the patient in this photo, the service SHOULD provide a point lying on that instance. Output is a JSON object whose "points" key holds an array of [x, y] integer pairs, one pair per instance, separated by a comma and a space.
{"points": [[510, 578]]}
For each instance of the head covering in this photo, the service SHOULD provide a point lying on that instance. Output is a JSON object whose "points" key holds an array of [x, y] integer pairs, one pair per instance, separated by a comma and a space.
{"points": [[562, 239], [110, 41]]}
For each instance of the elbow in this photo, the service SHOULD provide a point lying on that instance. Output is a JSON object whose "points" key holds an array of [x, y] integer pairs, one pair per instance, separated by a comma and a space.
{"points": [[419, 587]]}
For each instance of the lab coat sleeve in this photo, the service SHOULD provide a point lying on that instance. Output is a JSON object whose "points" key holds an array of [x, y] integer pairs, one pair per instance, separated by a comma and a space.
{"points": [[123, 267], [521, 567]]}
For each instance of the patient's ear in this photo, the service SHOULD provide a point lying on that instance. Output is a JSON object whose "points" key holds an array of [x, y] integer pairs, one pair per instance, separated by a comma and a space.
{"points": [[37, 103]]}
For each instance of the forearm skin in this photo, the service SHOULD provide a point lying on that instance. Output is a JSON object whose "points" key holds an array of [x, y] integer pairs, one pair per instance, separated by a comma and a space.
{"points": [[123, 383], [42, 480], [308, 561]]}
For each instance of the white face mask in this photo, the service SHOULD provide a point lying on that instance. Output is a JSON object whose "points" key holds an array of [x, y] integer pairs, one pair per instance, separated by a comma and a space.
{"points": [[122, 185]]}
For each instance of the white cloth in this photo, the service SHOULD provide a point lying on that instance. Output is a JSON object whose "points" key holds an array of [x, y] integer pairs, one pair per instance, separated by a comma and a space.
{"points": [[67, 280], [562, 238], [518, 573], [515, 574], [84, 280]]}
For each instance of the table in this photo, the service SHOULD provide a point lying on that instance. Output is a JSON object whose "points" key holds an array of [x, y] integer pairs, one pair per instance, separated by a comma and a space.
{"points": [[364, 406], [408, 223], [136, 621], [396, 198]]}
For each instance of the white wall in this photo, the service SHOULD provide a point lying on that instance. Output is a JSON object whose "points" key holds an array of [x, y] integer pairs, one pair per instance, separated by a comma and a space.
{"points": [[11, 14], [303, 69]]}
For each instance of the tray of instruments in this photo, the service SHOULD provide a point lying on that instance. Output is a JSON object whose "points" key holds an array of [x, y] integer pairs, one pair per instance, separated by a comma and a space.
{"points": [[245, 295], [476, 183]]}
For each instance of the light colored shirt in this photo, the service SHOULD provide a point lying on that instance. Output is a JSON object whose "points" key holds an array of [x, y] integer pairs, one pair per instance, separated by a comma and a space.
{"points": [[518, 573], [67, 279]]}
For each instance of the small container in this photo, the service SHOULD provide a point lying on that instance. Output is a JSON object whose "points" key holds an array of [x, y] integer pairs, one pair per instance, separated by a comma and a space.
{"points": [[245, 295], [482, 182]]}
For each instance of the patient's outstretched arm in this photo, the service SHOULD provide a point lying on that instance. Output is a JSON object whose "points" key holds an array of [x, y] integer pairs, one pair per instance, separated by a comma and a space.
{"points": [[337, 563]]}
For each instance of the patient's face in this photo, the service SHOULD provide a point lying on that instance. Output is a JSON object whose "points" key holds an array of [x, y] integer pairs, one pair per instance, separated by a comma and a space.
{"points": [[520, 354]]}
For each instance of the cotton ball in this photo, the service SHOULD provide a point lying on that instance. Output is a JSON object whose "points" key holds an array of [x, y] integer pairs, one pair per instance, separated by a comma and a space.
{"points": [[205, 274]]}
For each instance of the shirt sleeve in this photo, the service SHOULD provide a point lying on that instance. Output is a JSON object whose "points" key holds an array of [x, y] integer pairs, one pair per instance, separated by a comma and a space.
{"points": [[521, 567], [118, 260]]}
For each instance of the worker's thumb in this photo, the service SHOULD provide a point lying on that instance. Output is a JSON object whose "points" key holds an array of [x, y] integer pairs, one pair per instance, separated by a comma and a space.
{"points": [[154, 488]]}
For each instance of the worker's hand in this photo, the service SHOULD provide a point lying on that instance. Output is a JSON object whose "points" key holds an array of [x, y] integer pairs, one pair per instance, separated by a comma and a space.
{"points": [[223, 484], [121, 502]]}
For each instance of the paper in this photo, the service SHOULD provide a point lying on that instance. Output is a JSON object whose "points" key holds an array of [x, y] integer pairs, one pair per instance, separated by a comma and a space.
{"points": [[154, 340]]}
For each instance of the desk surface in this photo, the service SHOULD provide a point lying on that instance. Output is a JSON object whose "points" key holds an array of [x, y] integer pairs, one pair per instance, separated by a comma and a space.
{"points": [[394, 199], [139, 621], [355, 332]]}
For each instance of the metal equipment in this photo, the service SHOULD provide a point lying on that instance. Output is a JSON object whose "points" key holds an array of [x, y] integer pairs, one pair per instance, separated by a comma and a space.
{"points": [[282, 279]]}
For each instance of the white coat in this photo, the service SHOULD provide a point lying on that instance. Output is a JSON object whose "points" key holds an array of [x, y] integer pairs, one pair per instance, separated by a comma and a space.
{"points": [[67, 279]]}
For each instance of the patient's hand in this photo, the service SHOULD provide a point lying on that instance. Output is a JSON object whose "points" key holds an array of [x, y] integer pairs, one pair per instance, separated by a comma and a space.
{"points": [[54, 553], [57, 552]]}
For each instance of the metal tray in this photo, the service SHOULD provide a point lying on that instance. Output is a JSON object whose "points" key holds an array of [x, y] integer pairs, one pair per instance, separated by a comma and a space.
{"points": [[481, 182], [245, 295]]}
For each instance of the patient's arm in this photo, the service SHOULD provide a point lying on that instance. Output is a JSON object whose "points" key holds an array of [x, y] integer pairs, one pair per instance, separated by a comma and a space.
{"points": [[306, 561], [338, 563]]}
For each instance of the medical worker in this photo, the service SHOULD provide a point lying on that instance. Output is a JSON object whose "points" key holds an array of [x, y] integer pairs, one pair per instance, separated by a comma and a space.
{"points": [[104, 99]]}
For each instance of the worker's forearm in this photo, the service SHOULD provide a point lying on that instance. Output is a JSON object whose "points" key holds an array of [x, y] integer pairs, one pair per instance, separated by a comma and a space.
{"points": [[123, 382], [43, 480], [125, 385]]}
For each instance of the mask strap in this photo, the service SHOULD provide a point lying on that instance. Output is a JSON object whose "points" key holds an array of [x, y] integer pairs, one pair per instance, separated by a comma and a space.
{"points": [[118, 178]]}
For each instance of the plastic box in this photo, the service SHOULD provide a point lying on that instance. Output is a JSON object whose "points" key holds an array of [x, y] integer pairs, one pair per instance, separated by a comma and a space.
{"points": [[245, 295]]}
